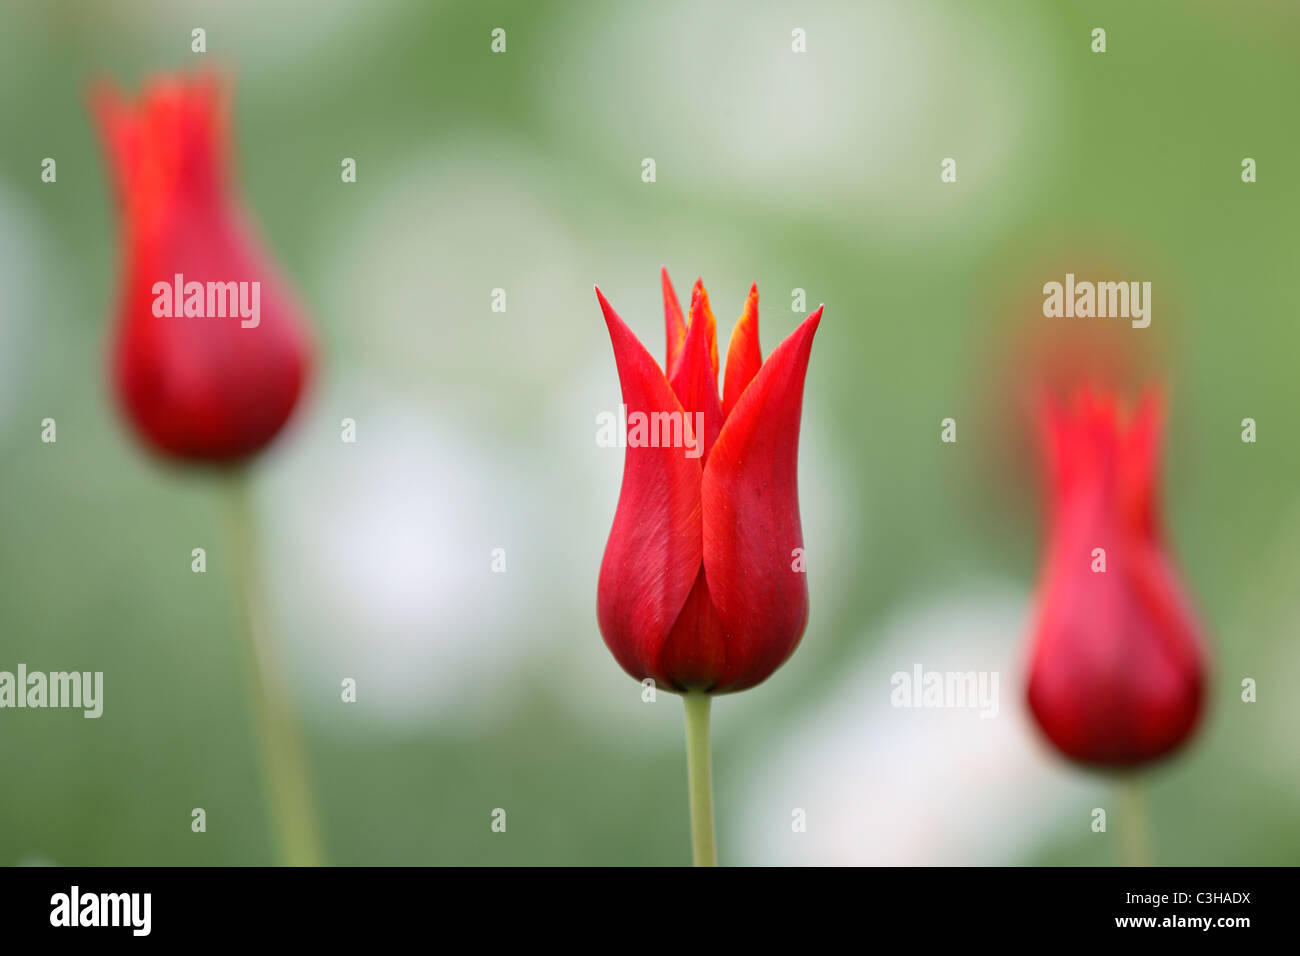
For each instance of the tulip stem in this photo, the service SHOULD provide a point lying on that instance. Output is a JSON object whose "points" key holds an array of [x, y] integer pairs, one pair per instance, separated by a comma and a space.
{"points": [[699, 779], [1135, 845], [293, 814]]}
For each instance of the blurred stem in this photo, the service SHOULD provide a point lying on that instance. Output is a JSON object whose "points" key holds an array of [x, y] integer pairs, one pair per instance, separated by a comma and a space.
{"points": [[293, 815], [1135, 844], [699, 779]]}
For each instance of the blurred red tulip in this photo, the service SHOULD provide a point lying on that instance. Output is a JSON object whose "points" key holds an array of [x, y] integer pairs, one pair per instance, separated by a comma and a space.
{"points": [[702, 585], [1117, 666], [211, 352]]}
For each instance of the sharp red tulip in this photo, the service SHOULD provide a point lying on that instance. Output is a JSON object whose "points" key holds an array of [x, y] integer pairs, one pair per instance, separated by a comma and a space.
{"points": [[213, 371], [701, 587], [1117, 664]]}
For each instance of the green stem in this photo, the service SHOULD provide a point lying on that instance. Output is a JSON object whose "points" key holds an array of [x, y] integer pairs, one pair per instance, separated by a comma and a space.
{"points": [[1135, 845], [699, 777], [293, 814]]}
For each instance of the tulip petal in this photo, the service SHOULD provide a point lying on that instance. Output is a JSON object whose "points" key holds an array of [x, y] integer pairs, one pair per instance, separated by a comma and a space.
{"points": [[655, 546], [694, 656], [751, 517], [1141, 459], [674, 322], [119, 132], [700, 306], [170, 148], [1091, 448], [695, 380], [744, 356]]}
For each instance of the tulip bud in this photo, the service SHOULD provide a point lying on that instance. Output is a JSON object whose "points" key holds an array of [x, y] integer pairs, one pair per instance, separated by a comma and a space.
{"points": [[698, 589], [211, 352], [1117, 664]]}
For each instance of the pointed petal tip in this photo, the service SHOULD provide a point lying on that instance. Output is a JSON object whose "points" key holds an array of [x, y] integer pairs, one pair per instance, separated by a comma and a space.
{"points": [[606, 309], [106, 103], [674, 322], [102, 88]]}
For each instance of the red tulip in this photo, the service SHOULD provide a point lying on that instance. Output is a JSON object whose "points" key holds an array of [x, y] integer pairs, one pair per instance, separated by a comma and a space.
{"points": [[1117, 665], [211, 352], [701, 587]]}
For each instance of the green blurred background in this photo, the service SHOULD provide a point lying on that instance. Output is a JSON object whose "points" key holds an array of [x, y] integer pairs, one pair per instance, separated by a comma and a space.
{"points": [[476, 429]]}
